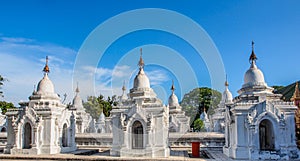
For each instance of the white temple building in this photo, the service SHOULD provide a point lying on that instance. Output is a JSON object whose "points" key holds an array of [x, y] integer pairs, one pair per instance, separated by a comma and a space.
{"points": [[218, 118], [259, 124], [140, 123], [100, 124], [178, 122], [43, 125], [206, 121], [83, 119]]}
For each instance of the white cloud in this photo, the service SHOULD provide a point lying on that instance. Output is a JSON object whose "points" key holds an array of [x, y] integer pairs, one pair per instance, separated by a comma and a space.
{"points": [[158, 77], [103, 79], [22, 62], [16, 40], [121, 71]]}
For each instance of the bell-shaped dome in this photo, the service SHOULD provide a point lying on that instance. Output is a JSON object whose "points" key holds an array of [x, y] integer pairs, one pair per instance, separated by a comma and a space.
{"points": [[45, 86], [254, 81], [253, 76], [101, 117], [226, 96], [123, 96], [173, 100], [204, 116], [77, 101], [141, 80]]}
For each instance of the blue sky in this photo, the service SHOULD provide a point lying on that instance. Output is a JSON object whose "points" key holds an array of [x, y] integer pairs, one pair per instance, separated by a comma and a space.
{"points": [[33, 29]]}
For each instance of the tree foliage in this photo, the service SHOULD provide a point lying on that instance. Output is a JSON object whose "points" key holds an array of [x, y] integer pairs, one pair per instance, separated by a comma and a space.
{"points": [[5, 105], [194, 102], [276, 88], [198, 125], [95, 105]]}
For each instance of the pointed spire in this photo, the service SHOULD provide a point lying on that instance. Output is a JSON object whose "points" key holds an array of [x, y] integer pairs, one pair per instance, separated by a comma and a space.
{"points": [[123, 96], [252, 57], [77, 88], [226, 82], [141, 62], [173, 87], [34, 91], [46, 68], [124, 88]]}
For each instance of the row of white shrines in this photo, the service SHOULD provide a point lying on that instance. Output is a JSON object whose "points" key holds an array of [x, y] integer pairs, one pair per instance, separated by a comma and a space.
{"points": [[257, 124]]}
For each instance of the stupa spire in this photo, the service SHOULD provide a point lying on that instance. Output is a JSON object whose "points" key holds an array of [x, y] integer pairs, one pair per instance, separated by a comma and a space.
{"points": [[172, 87], [124, 96], [123, 87], [34, 89], [77, 88], [141, 62], [226, 82], [252, 57], [46, 68]]}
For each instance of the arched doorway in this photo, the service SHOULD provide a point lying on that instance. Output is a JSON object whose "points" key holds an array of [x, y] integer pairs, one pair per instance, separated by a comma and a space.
{"points": [[27, 136], [137, 135], [3, 129], [266, 135], [65, 136]]}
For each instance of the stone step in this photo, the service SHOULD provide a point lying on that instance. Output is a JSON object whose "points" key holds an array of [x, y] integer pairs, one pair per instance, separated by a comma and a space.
{"points": [[85, 152]]}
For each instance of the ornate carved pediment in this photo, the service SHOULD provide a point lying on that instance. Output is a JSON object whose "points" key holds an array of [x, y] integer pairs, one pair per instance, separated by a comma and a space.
{"points": [[136, 110], [251, 116], [123, 120], [31, 116]]}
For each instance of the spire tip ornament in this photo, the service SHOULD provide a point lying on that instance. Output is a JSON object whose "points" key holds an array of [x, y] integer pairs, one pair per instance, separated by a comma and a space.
{"points": [[173, 87], [77, 88], [253, 57], [226, 82], [141, 62], [46, 68], [123, 88]]}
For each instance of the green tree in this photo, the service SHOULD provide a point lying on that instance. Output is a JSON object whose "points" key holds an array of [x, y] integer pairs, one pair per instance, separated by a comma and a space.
{"points": [[198, 125], [5, 105], [194, 102], [276, 88], [107, 107], [95, 105]]}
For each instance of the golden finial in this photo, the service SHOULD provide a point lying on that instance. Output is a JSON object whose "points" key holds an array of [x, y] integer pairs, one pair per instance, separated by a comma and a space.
{"points": [[46, 68], [123, 88], [252, 56], [141, 62], [173, 87], [226, 82], [77, 88]]}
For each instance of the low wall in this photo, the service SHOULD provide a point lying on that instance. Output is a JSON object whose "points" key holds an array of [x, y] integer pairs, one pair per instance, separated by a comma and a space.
{"points": [[208, 140]]}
